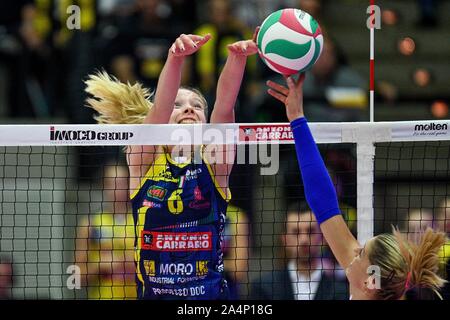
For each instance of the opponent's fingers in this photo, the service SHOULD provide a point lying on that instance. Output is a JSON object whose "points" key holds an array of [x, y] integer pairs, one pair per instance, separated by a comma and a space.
{"points": [[301, 79], [277, 95], [298, 84], [290, 83], [278, 87]]}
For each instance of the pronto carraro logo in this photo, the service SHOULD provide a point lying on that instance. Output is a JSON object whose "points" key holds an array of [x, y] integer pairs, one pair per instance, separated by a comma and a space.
{"points": [[176, 241], [88, 135], [269, 132]]}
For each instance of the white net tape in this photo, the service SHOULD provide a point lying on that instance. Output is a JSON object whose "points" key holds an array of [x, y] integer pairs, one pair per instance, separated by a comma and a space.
{"points": [[26, 182], [236, 133]]}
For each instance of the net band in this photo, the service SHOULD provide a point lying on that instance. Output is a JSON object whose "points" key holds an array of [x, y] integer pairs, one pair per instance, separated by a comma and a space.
{"points": [[236, 133], [47, 192]]}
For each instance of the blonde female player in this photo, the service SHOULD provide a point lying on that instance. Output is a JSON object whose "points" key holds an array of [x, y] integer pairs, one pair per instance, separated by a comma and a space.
{"points": [[179, 204], [403, 264]]}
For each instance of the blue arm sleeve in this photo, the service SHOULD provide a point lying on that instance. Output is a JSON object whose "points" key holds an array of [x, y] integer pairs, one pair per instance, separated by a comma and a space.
{"points": [[319, 190]]}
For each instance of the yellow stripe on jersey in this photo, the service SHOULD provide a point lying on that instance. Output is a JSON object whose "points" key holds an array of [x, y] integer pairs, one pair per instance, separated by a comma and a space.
{"points": [[139, 228]]}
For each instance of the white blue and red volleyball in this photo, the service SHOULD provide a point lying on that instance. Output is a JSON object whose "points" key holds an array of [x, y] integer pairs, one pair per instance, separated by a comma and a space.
{"points": [[290, 41]]}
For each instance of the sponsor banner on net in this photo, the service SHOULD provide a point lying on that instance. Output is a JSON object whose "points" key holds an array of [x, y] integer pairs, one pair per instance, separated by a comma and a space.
{"points": [[87, 136], [270, 132], [422, 130], [176, 241]]}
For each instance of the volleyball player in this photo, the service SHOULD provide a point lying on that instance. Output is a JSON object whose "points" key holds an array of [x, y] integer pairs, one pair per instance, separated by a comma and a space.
{"points": [[403, 264], [179, 205]]}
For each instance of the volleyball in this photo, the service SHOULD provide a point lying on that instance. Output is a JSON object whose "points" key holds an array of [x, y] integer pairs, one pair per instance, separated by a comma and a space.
{"points": [[290, 41]]}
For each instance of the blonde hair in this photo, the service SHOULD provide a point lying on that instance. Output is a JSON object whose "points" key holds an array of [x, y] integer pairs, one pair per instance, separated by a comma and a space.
{"points": [[120, 103], [406, 264], [117, 102]]}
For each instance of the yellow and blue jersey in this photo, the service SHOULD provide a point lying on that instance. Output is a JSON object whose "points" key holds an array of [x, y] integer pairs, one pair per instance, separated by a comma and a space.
{"points": [[179, 213]]}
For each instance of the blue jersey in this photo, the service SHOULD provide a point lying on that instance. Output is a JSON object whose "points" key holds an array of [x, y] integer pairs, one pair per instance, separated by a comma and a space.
{"points": [[179, 215]]}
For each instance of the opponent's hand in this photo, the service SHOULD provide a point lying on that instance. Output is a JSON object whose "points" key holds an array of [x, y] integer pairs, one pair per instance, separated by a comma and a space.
{"points": [[245, 47], [291, 96], [187, 44]]}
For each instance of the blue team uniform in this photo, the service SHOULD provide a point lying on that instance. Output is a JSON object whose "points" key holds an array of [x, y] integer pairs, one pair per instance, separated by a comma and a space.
{"points": [[179, 215]]}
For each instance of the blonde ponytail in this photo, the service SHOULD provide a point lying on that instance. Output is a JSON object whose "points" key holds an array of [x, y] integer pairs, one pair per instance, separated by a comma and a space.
{"points": [[116, 102], [406, 264], [422, 259]]}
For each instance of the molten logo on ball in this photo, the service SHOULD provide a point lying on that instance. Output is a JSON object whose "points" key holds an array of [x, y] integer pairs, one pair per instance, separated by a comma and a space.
{"points": [[290, 41]]}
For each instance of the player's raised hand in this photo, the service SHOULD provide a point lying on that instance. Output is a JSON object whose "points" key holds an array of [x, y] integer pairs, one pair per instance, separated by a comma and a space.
{"points": [[245, 47], [291, 96], [187, 44]]}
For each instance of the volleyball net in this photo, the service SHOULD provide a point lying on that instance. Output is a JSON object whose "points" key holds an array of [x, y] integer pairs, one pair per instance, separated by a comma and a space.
{"points": [[64, 189]]}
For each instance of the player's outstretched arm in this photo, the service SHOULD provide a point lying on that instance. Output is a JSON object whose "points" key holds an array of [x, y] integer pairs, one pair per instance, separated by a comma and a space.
{"points": [[228, 87], [170, 77], [319, 190], [230, 79], [141, 157]]}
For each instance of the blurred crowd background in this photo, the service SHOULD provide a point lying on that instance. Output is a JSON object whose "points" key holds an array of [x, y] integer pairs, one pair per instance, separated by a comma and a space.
{"points": [[43, 65]]}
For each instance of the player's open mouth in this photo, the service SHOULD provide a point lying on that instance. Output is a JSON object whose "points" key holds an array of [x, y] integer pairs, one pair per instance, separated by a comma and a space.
{"points": [[187, 121]]}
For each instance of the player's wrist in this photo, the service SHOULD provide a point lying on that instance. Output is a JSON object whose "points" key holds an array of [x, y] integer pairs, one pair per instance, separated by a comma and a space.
{"points": [[296, 117], [234, 56], [172, 58]]}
